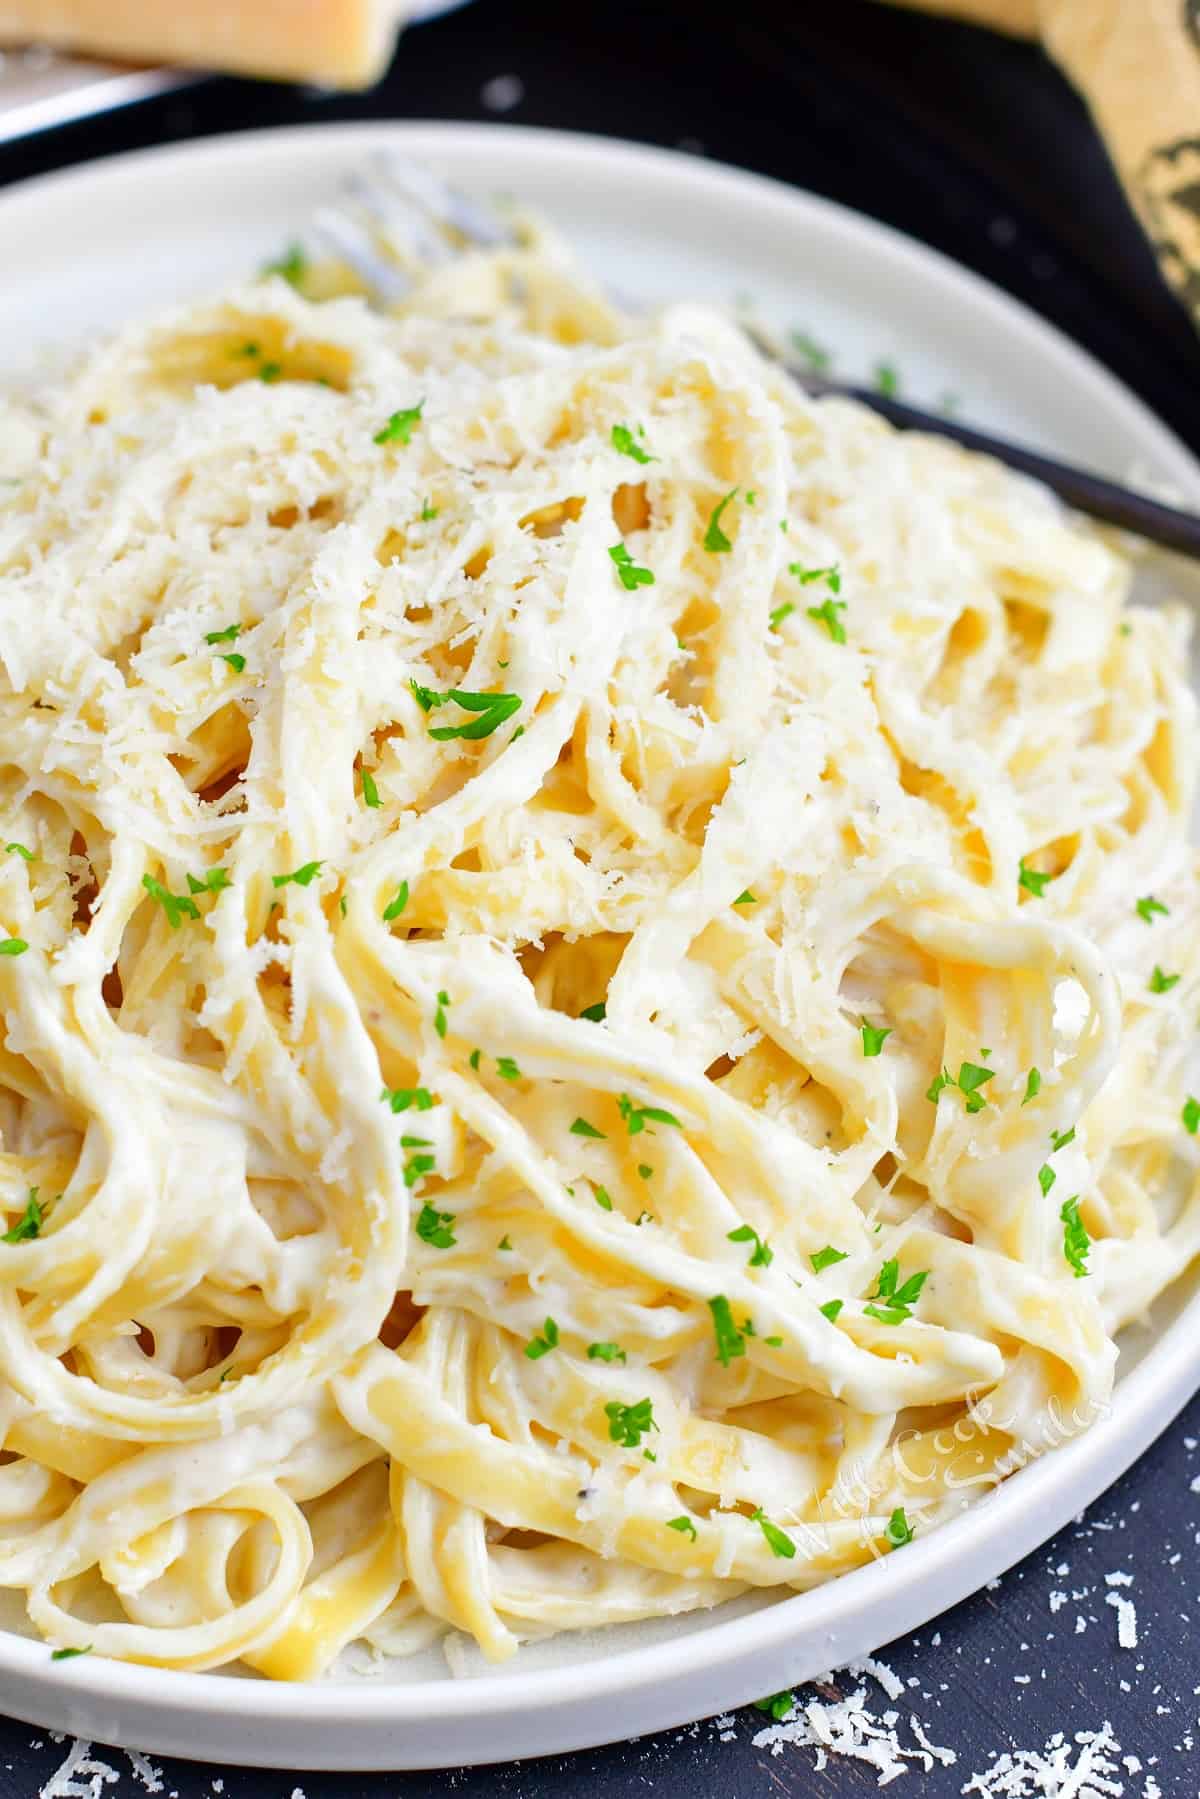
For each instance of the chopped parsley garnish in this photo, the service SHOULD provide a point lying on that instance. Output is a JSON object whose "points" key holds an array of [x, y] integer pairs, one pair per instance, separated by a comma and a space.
{"points": [[177, 906], [490, 709], [370, 792], [683, 1525], [401, 1098], [597, 1013], [624, 440], [636, 1117], [602, 1199], [632, 575], [436, 1228], [887, 380], [292, 265], [1033, 1085], [1160, 982], [66, 1655], [628, 1424], [1147, 907], [715, 540], [971, 1077], [581, 1128], [417, 1167], [236, 662], [605, 1352], [763, 1254], [731, 1341], [270, 372], [832, 1308], [776, 617], [827, 614], [645, 1171], [507, 1069], [439, 1017], [1032, 881], [781, 1544], [475, 1057], [505, 1244], [29, 1224], [216, 880], [400, 426], [832, 576], [1046, 1178], [825, 1258], [899, 1531], [18, 849], [542, 1344], [773, 1342], [300, 877], [13, 946], [898, 1301], [428, 512], [815, 354], [746, 898], [779, 1706], [873, 1038], [228, 635], [396, 906], [1191, 1114], [1076, 1241], [1060, 1139]]}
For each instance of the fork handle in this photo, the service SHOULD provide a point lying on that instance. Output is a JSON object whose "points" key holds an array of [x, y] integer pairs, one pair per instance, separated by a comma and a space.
{"points": [[1169, 526]]}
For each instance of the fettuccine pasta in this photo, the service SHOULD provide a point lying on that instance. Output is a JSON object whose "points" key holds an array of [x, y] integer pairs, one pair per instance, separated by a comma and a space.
{"points": [[599, 962]]}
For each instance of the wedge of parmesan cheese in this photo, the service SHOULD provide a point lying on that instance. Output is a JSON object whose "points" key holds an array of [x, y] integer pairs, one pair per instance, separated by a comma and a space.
{"points": [[340, 43]]}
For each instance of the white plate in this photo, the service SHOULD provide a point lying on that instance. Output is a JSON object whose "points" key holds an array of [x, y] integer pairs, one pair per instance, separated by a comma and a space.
{"points": [[94, 246]]}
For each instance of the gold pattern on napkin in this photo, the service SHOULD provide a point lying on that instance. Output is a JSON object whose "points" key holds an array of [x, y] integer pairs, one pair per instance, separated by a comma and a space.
{"points": [[1137, 63]]}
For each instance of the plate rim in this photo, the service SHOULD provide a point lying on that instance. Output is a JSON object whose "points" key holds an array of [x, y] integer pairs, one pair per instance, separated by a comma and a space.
{"points": [[728, 1661]]}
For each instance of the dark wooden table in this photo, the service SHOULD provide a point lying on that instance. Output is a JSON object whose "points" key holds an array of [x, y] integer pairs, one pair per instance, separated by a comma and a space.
{"points": [[976, 146]]}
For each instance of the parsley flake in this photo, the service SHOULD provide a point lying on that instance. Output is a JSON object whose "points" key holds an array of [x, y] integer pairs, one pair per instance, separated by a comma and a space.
{"points": [[416, 1168], [602, 1198], [400, 426], [832, 576], [1191, 1114], [1148, 906], [645, 1171], [228, 635], [815, 354], [898, 1301], [887, 380], [683, 1525], [899, 1531], [636, 1117], [632, 576], [1033, 1085], [13, 946], [396, 906], [1160, 982], [177, 906], [439, 1017], [763, 1254], [831, 1309], [827, 614], [66, 1655], [605, 1352], [581, 1128], [299, 877], [1046, 1178], [624, 440], [370, 791], [436, 1228], [215, 880], [731, 1341], [971, 1077], [628, 1424], [542, 1344], [597, 1013], [776, 617], [779, 1706], [29, 1224], [1076, 1241], [1032, 881], [825, 1258], [746, 898], [292, 265], [873, 1038], [505, 1244], [401, 1098], [1060, 1139], [781, 1544], [715, 540], [507, 1069], [490, 710], [18, 849]]}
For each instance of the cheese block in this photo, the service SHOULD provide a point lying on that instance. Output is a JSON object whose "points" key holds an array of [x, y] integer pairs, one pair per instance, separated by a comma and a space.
{"points": [[340, 43]]}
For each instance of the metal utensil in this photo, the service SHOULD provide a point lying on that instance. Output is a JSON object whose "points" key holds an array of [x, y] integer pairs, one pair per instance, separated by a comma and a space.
{"points": [[398, 211]]}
